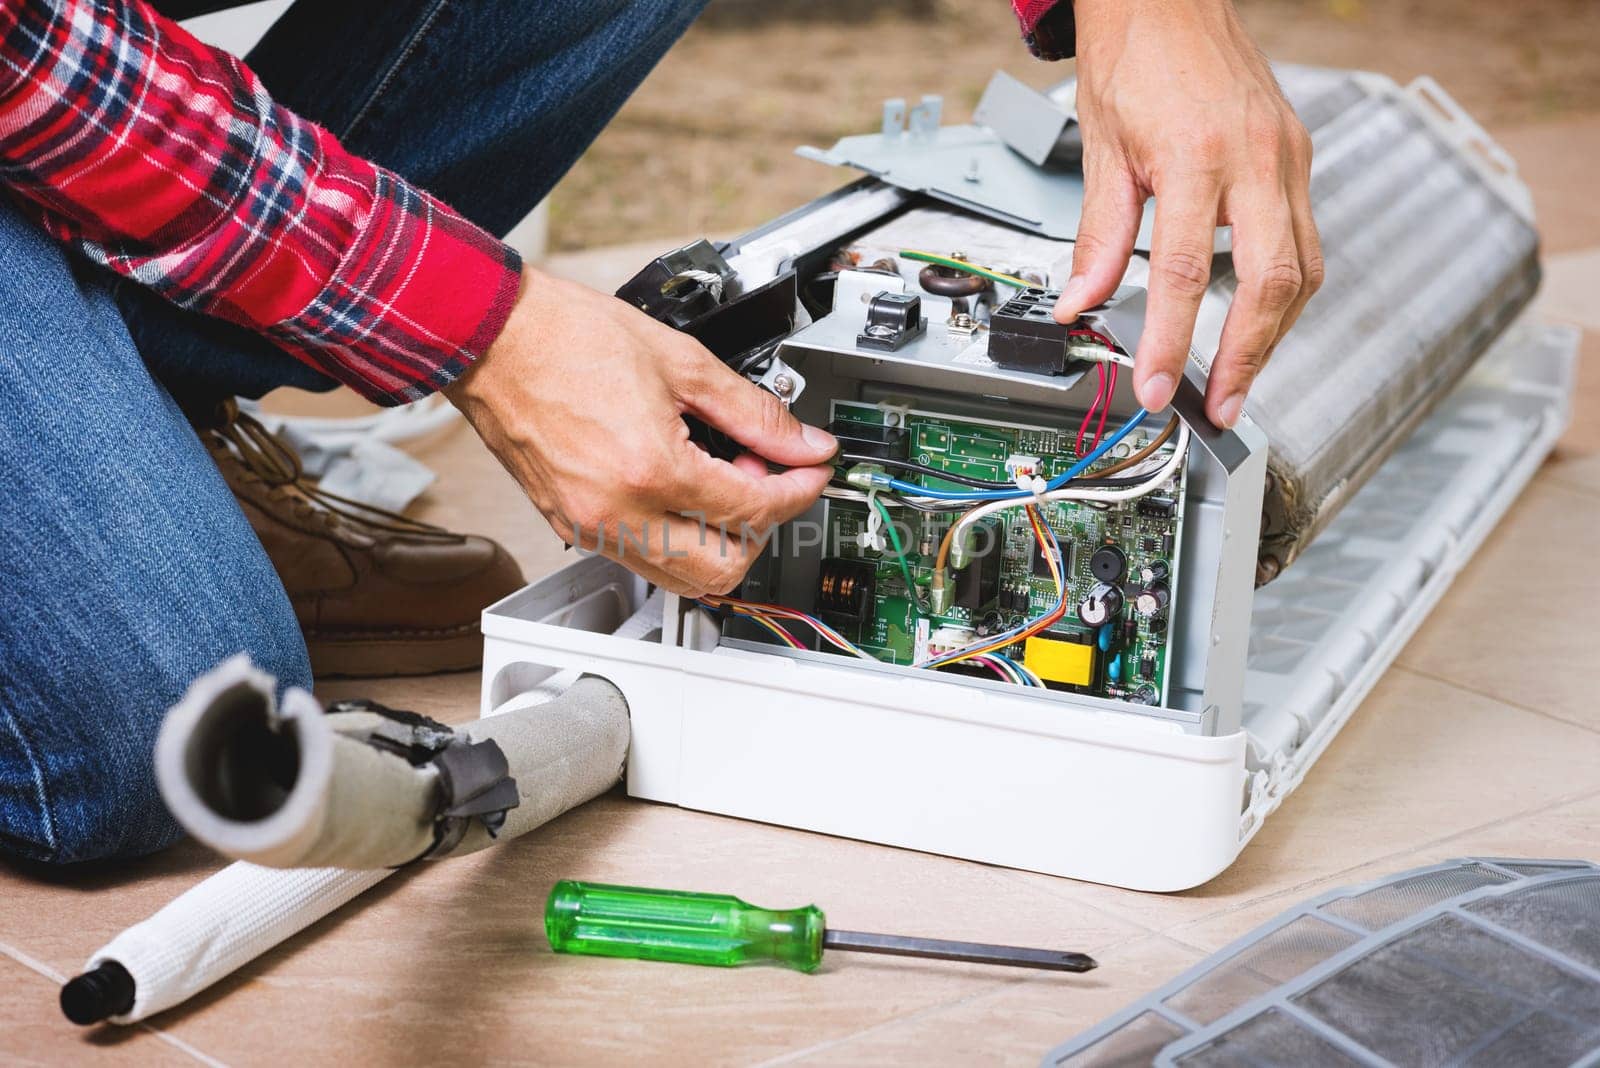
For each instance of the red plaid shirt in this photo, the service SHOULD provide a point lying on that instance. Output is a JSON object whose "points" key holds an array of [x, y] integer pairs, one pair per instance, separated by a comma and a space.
{"points": [[166, 161]]}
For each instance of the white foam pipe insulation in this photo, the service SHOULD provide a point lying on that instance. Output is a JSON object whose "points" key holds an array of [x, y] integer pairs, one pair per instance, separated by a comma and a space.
{"points": [[284, 785]]}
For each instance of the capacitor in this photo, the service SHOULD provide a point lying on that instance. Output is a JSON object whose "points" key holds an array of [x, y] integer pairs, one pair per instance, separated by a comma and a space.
{"points": [[1101, 606], [1154, 571], [1152, 599], [1114, 669], [1108, 564], [1146, 695]]}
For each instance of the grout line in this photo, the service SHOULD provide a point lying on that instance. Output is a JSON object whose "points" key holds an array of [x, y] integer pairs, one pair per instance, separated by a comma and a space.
{"points": [[1496, 698], [937, 1009], [179, 1044], [55, 977], [31, 964]]}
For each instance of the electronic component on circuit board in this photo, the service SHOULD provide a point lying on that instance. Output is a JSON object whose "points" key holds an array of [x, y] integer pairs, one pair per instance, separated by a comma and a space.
{"points": [[1101, 606], [1108, 564], [845, 587]]}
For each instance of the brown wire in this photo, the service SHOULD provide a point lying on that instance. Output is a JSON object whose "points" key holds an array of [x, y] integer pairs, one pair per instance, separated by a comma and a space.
{"points": [[1142, 455]]}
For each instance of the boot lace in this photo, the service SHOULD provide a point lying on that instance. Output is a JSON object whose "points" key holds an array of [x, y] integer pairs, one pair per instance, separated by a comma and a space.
{"points": [[266, 458]]}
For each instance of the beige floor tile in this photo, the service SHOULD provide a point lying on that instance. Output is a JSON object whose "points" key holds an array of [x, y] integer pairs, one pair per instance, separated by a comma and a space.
{"points": [[1580, 473], [1017, 1023], [1556, 159], [1571, 289], [463, 942], [1560, 832], [59, 917], [451, 698], [1521, 623], [33, 1031], [1420, 760]]}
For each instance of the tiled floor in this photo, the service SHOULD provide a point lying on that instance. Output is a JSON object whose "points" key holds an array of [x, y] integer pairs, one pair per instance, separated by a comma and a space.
{"points": [[1483, 739]]}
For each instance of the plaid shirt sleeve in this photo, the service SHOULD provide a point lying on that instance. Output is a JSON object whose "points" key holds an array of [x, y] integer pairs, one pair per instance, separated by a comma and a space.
{"points": [[166, 161], [1048, 27]]}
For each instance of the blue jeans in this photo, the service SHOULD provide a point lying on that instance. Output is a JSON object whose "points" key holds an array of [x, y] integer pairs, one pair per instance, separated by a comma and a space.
{"points": [[126, 567]]}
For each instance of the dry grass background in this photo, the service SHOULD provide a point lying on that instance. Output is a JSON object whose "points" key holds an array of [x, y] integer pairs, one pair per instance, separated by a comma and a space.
{"points": [[706, 145]]}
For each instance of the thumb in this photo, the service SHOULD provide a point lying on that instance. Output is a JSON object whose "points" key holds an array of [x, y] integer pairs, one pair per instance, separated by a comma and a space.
{"points": [[1112, 210], [751, 416]]}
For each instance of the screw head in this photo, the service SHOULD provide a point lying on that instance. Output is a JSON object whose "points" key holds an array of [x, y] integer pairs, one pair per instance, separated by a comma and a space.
{"points": [[782, 385]]}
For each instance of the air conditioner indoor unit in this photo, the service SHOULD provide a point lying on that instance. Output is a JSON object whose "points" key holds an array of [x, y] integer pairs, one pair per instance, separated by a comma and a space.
{"points": [[1217, 602]]}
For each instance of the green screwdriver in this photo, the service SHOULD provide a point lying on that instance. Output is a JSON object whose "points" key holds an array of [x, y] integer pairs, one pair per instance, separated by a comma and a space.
{"points": [[691, 928]]}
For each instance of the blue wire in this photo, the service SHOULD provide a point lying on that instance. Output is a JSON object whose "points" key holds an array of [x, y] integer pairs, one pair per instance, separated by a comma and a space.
{"points": [[1022, 676], [911, 489]]}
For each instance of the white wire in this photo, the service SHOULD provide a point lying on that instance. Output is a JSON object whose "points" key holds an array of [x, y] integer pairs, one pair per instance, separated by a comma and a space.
{"points": [[1102, 355], [1067, 493]]}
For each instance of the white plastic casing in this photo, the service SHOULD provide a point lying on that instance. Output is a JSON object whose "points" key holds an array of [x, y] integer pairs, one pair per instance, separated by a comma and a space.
{"points": [[992, 773]]}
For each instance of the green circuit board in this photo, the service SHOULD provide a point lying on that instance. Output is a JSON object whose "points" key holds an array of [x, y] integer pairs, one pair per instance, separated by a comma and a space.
{"points": [[1130, 653]]}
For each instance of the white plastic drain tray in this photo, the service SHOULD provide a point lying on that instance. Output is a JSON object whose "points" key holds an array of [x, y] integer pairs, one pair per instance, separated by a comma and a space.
{"points": [[1086, 791]]}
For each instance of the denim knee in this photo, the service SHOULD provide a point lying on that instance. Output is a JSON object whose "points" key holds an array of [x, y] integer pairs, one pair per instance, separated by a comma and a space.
{"points": [[77, 734]]}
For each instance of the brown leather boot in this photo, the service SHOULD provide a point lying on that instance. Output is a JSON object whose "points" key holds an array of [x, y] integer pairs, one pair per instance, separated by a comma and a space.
{"points": [[376, 593]]}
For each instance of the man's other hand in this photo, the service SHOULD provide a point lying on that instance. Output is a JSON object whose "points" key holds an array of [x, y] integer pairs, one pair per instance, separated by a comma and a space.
{"points": [[1176, 102], [582, 398]]}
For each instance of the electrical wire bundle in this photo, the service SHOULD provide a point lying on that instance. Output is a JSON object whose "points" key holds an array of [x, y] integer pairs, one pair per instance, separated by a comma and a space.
{"points": [[1106, 366], [1127, 479], [767, 616], [1050, 546]]}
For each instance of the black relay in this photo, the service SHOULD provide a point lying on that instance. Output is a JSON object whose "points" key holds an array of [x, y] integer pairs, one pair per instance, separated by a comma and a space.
{"points": [[1024, 335]]}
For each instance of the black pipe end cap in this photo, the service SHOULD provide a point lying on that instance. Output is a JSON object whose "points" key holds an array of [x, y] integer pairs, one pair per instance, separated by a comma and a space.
{"points": [[106, 990]]}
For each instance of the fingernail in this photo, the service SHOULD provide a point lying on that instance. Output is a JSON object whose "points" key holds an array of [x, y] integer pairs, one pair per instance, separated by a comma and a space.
{"points": [[1157, 392], [1228, 411], [1069, 304], [818, 438]]}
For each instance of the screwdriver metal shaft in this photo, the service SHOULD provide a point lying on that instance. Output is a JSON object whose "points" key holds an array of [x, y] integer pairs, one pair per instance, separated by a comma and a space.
{"points": [[972, 952]]}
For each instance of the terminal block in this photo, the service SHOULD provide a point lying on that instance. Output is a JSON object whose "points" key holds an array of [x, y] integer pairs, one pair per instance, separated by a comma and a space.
{"points": [[1024, 335]]}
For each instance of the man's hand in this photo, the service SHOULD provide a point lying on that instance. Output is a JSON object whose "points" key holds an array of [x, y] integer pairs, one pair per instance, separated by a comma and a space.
{"points": [[1176, 102], [582, 397]]}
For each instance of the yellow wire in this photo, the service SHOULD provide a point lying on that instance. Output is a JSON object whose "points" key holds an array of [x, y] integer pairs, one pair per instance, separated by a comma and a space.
{"points": [[782, 634], [962, 265]]}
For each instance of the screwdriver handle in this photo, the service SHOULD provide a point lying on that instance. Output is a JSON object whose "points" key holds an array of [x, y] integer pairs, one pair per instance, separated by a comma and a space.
{"points": [[687, 928]]}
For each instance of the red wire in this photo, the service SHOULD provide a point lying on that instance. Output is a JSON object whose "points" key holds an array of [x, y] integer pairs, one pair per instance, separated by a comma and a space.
{"points": [[1105, 409], [992, 666], [1099, 396], [1102, 397]]}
